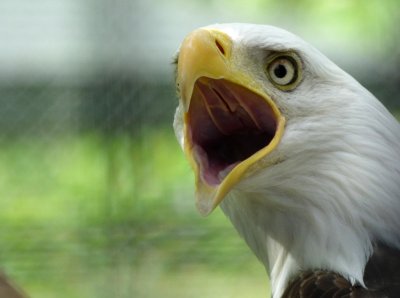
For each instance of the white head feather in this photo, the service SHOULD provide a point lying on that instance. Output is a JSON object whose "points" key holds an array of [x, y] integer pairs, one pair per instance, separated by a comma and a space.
{"points": [[334, 184]]}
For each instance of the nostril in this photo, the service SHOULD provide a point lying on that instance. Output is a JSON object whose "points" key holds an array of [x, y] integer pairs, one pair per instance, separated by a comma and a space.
{"points": [[220, 47]]}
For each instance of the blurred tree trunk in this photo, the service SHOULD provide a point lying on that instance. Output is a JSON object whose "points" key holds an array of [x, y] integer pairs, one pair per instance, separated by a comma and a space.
{"points": [[8, 289]]}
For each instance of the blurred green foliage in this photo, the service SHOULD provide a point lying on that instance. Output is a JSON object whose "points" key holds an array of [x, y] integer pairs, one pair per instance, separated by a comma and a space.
{"points": [[113, 216]]}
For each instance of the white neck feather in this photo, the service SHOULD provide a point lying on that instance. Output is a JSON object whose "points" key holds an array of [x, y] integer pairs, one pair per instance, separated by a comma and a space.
{"points": [[288, 241]]}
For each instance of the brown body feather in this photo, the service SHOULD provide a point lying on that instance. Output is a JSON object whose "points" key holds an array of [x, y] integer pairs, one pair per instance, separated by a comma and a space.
{"points": [[381, 277]]}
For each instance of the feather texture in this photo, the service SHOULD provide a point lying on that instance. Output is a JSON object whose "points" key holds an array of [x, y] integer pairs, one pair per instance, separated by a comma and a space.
{"points": [[382, 280]]}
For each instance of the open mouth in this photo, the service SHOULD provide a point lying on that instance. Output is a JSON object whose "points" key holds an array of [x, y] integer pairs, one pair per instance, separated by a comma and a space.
{"points": [[228, 123]]}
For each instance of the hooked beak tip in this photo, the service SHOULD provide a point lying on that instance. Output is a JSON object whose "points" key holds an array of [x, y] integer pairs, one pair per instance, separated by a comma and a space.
{"points": [[204, 207]]}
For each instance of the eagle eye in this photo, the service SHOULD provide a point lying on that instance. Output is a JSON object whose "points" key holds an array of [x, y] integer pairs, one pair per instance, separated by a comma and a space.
{"points": [[284, 71]]}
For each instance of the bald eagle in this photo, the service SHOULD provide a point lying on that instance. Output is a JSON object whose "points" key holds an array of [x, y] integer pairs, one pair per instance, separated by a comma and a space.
{"points": [[302, 159]]}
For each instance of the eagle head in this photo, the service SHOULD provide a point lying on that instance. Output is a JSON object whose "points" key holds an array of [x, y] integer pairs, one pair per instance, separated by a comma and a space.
{"points": [[303, 160]]}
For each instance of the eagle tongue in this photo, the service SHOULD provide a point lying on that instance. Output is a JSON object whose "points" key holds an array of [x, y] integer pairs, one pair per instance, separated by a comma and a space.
{"points": [[224, 108]]}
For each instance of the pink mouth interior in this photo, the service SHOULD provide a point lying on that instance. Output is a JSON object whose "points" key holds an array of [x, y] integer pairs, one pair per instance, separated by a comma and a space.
{"points": [[227, 123]]}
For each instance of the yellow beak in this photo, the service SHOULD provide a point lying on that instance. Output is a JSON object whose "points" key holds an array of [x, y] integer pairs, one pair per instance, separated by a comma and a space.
{"points": [[207, 53]]}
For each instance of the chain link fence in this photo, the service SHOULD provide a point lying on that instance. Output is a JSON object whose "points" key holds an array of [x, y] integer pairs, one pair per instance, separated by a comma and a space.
{"points": [[96, 199]]}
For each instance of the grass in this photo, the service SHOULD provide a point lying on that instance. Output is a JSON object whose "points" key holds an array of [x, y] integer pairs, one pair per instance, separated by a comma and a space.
{"points": [[92, 215]]}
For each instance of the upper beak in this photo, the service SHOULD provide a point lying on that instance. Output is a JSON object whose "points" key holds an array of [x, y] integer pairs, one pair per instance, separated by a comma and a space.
{"points": [[207, 52], [204, 52]]}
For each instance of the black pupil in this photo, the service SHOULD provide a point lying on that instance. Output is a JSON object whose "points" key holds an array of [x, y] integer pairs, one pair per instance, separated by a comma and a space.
{"points": [[280, 71]]}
